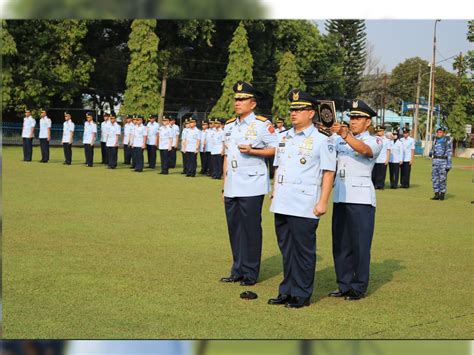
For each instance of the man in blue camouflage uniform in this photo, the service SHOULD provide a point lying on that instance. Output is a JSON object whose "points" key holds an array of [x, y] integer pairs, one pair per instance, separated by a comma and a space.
{"points": [[441, 154]]}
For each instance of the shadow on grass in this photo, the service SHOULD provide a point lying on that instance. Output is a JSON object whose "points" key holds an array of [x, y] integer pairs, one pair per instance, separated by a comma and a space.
{"points": [[380, 274]]}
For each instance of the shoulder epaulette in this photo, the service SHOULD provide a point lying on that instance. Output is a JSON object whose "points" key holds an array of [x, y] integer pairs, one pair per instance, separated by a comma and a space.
{"points": [[261, 118], [231, 120]]}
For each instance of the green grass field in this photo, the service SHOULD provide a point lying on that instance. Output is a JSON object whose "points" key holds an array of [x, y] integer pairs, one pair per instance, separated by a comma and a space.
{"points": [[97, 253]]}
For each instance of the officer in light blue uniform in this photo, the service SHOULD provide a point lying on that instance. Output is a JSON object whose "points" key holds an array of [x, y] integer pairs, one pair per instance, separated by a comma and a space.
{"points": [[248, 140], [165, 143], [139, 144], [441, 154], [354, 202], [27, 134], [191, 147], [408, 153], [305, 163], [68, 138]]}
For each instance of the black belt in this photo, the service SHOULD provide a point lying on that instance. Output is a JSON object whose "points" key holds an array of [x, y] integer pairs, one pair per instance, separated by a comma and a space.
{"points": [[440, 157]]}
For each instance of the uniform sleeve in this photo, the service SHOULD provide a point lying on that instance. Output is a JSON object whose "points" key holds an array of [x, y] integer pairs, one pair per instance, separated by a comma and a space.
{"points": [[328, 154], [49, 124], [34, 123], [375, 145], [269, 136], [449, 153], [72, 127], [94, 129]]}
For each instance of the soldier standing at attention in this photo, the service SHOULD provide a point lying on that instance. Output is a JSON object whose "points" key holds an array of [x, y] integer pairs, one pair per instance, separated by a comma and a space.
{"points": [[127, 133], [408, 154], [44, 136], [191, 147], [379, 172], [441, 154], [353, 216], [395, 160], [103, 138], [306, 162], [139, 144], [68, 138], [88, 139], [151, 141], [202, 149], [165, 143], [113, 135], [175, 132], [28, 133], [249, 139]]}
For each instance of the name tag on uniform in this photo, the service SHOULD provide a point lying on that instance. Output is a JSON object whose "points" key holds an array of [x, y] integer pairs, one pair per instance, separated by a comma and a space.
{"points": [[280, 179], [342, 173], [227, 134], [281, 144], [233, 163]]}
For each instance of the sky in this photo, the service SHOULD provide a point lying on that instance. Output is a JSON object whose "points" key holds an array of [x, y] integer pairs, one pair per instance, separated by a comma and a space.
{"points": [[397, 29]]}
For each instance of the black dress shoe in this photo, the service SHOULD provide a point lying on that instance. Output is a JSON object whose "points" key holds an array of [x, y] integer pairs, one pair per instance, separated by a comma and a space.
{"points": [[248, 282], [298, 302], [436, 196], [232, 278], [338, 293], [441, 196], [280, 300], [354, 295]]}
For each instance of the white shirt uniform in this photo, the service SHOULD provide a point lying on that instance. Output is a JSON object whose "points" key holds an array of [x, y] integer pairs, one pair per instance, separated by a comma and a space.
{"points": [[113, 131], [165, 134], [175, 134], [301, 159], [202, 147], [138, 133], [386, 144], [68, 127], [129, 347], [152, 130], [395, 152], [353, 183], [28, 124], [247, 175], [210, 139], [45, 124], [104, 126], [183, 137], [193, 135], [127, 132], [89, 129], [408, 144], [217, 142]]}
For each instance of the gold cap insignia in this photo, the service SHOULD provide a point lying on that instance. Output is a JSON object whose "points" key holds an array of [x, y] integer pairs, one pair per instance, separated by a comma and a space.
{"points": [[355, 104], [296, 96], [239, 87]]}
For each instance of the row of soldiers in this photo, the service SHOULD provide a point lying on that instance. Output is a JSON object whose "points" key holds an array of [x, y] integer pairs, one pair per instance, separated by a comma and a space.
{"points": [[137, 137]]}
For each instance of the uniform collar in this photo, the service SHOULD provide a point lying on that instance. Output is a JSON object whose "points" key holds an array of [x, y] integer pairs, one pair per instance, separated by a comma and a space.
{"points": [[306, 132], [362, 135], [247, 119]]}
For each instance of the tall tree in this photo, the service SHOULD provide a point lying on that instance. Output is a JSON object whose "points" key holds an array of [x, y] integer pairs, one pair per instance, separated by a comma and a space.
{"points": [[287, 78], [143, 85], [457, 119], [240, 67], [53, 67], [352, 39], [7, 51]]}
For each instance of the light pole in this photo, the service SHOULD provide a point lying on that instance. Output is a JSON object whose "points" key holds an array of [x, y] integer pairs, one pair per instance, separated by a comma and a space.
{"points": [[417, 103], [432, 93]]}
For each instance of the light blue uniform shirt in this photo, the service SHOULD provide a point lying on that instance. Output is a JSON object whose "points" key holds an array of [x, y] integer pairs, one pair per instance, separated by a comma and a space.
{"points": [[203, 142], [408, 144], [193, 135], [152, 130], [301, 159], [165, 134], [386, 145], [68, 127], [44, 124], [395, 152], [127, 133], [139, 133], [28, 124], [217, 142], [183, 137], [247, 175], [129, 347], [89, 129], [175, 130], [104, 126], [353, 183]]}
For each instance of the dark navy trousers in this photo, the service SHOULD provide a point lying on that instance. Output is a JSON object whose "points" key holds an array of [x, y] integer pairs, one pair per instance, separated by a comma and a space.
{"points": [[27, 149], [244, 223], [352, 232], [297, 241]]}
